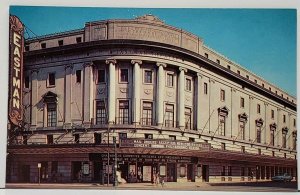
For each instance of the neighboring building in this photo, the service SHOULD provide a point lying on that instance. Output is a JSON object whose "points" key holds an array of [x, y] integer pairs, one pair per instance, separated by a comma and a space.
{"points": [[172, 105]]}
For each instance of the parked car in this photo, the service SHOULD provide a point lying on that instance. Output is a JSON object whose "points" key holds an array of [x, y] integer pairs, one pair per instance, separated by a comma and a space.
{"points": [[284, 177]]}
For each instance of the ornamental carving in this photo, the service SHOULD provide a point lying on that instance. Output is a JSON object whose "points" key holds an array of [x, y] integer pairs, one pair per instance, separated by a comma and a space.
{"points": [[100, 91], [148, 91], [170, 93], [188, 98], [124, 90]]}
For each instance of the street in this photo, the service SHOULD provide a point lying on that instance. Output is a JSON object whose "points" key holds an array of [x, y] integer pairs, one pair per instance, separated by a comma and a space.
{"points": [[264, 186]]}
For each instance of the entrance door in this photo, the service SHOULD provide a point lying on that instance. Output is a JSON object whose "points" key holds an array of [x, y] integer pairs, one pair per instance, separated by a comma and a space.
{"points": [[25, 173], [205, 173], [76, 171], [147, 173], [124, 171], [171, 172], [257, 172], [190, 173], [98, 172]]}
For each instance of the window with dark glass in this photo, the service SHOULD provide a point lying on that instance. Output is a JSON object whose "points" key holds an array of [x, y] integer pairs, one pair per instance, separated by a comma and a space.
{"points": [[228, 67], [242, 171], [100, 113], [26, 82], [273, 153], [188, 84], [43, 45], [222, 125], [206, 55], [124, 75], [54, 167], [49, 139], [272, 137], [148, 136], [223, 146], [188, 118], [25, 138], [218, 61], [243, 149], [284, 155], [60, 42], [242, 130], [97, 138], [272, 114], [247, 76], [78, 40], [123, 112], [242, 103], [51, 79], [147, 113], [26, 47], [239, 72], [284, 139], [148, 76], [284, 119], [78, 76], [222, 95], [172, 137], [255, 81], [259, 151], [101, 76], [270, 88], [229, 170], [294, 122], [258, 108], [263, 85], [294, 141], [76, 138], [205, 88], [191, 139], [170, 80], [122, 135], [51, 114], [169, 115], [258, 134], [223, 171]]}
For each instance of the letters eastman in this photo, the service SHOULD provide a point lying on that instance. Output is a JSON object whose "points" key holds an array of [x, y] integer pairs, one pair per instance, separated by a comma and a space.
{"points": [[16, 71]]}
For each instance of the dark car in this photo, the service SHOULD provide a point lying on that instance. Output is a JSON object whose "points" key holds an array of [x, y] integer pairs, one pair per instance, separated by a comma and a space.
{"points": [[284, 177]]}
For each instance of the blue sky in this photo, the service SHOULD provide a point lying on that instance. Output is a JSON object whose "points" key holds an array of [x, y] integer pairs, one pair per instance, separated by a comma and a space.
{"points": [[261, 40]]}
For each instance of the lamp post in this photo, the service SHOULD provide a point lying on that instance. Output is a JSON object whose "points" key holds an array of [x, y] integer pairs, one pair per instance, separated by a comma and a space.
{"points": [[39, 167], [116, 161]]}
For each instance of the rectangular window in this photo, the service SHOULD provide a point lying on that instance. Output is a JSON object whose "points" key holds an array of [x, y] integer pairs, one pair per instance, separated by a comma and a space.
{"points": [[148, 136], [51, 114], [49, 139], [170, 80], [122, 135], [222, 95], [78, 76], [26, 82], [191, 139], [101, 76], [294, 122], [243, 149], [205, 88], [123, 112], [124, 75], [76, 138], [239, 72], [51, 79], [218, 61], [78, 40], [223, 146], [263, 85], [255, 81], [272, 137], [223, 171], [148, 76], [188, 118], [284, 139], [169, 115], [273, 153], [206, 55], [229, 170], [147, 113], [247, 76], [228, 67], [259, 151], [188, 84], [43, 45], [26, 47], [100, 113], [258, 108], [60, 42], [270, 88], [272, 114], [242, 130], [258, 134], [294, 142], [284, 119], [222, 125], [172, 137], [242, 103], [25, 138], [97, 138]]}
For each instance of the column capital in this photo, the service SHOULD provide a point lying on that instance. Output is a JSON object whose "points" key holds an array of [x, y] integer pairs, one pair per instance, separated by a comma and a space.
{"points": [[161, 64], [88, 64], [109, 61], [69, 66], [211, 80], [136, 62], [199, 75], [266, 104], [182, 69]]}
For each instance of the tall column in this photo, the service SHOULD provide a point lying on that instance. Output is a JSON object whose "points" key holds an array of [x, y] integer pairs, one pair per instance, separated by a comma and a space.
{"points": [[199, 77], [111, 91], [68, 87], [181, 97], [136, 90], [34, 99], [160, 93], [87, 99]]}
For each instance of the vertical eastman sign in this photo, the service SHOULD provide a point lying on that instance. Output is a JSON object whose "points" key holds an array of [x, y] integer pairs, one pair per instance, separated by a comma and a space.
{"points": [[16, 47]]}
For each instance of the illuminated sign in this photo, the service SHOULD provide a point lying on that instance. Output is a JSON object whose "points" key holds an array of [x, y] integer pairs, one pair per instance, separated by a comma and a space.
{"points": [[169, 144], [16, 46]]}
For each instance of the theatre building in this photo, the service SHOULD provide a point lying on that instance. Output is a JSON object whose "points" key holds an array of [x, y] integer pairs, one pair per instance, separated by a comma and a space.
{"points": [[146, 98]]}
